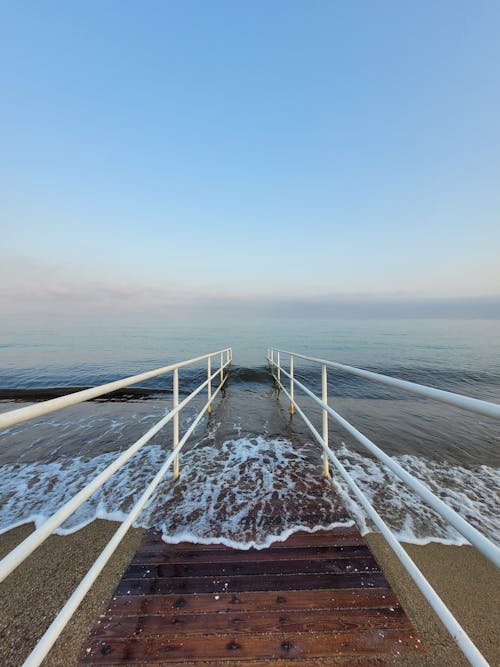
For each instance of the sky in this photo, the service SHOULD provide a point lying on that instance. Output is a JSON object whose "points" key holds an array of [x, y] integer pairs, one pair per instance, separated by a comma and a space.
{"points": [[293, 157]]}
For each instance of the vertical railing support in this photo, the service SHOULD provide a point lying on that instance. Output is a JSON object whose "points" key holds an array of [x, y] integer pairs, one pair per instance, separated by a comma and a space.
{"points": [[209, 386], [175, 422], [324, 398], [221, 368], [271, 357], [292, 406], [278, 371]]}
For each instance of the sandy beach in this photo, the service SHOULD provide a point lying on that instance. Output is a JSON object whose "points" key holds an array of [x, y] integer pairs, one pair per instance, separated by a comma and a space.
{"points": [[33, 594]]}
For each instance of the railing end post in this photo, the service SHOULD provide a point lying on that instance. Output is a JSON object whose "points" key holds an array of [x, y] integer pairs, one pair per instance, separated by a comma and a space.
{"points": [[175, 422], [326, 466], [324, 398]]}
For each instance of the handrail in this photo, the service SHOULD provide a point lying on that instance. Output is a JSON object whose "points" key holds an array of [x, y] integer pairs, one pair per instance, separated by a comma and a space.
{"points": [[480, 541], [458, 400], [48, 639], [25, 548], [30, 543]]}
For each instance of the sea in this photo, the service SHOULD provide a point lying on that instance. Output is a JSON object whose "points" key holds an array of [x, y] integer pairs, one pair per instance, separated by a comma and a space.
{"points": [[252, 473]]}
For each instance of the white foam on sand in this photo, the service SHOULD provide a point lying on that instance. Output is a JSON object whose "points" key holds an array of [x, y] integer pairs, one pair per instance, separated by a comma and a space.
{"points": [[249, 492], [471, 492]]}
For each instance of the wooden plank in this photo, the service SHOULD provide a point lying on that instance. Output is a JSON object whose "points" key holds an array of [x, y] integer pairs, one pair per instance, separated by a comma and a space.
{"points": [[317, 599], [338, 661], [288, 646], [367, 598], [237, 584], [233, 568], [163, 554], [342, 536], [256, 623]]}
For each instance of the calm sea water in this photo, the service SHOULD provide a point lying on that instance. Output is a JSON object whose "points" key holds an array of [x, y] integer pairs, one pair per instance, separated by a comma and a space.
{"points": [[455, 452], [455, 353]]}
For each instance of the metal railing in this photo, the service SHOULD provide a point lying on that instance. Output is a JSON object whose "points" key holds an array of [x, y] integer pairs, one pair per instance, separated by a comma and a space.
{"points": [[482, 543], [27, 546]]}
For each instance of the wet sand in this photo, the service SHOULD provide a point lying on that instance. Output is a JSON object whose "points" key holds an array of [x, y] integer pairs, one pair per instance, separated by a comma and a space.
{"points": [[32, 595]]}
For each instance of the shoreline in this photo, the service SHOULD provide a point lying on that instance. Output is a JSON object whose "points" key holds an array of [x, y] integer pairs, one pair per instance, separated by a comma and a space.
{"points": [[33, 594]]}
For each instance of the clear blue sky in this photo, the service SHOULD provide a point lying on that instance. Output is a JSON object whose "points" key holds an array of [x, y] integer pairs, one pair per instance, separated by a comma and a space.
{"points": [[181, 152]]}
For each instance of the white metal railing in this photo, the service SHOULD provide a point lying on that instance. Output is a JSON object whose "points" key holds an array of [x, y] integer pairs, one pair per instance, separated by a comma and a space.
{"points": [[482, 543], [25, 548]]}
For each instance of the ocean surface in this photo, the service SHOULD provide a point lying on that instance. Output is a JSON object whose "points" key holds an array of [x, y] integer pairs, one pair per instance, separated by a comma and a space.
{"points": [[251, 472]]}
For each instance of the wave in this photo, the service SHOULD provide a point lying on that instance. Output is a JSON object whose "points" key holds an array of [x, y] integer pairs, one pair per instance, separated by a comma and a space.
{"points": [[250, 375], [249, 492], [484, 384], [471, 492]]}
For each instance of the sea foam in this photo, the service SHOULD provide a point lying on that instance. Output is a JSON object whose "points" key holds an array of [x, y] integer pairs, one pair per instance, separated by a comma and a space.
{"points": [[249, 492]]}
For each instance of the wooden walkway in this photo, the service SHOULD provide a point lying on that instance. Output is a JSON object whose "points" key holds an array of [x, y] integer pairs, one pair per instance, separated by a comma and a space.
{"points": [[315, 600]]}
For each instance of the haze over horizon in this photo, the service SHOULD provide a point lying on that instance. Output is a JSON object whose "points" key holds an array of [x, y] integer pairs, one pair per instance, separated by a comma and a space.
{"points": [[305, 159]]}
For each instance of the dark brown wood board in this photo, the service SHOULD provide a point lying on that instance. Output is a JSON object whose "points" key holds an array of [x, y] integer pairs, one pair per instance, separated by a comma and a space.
{"points": [[315, 599]]}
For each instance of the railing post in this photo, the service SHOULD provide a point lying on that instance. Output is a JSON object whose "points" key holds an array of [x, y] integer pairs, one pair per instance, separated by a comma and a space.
{"points": [[292, 406], [176, 422], [278, 370], [209, 387], [221, 367], [324, 398], [271, 357]]}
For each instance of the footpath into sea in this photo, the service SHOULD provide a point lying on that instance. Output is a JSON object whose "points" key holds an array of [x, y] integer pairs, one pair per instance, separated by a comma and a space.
{"points": [[314, 599]]}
